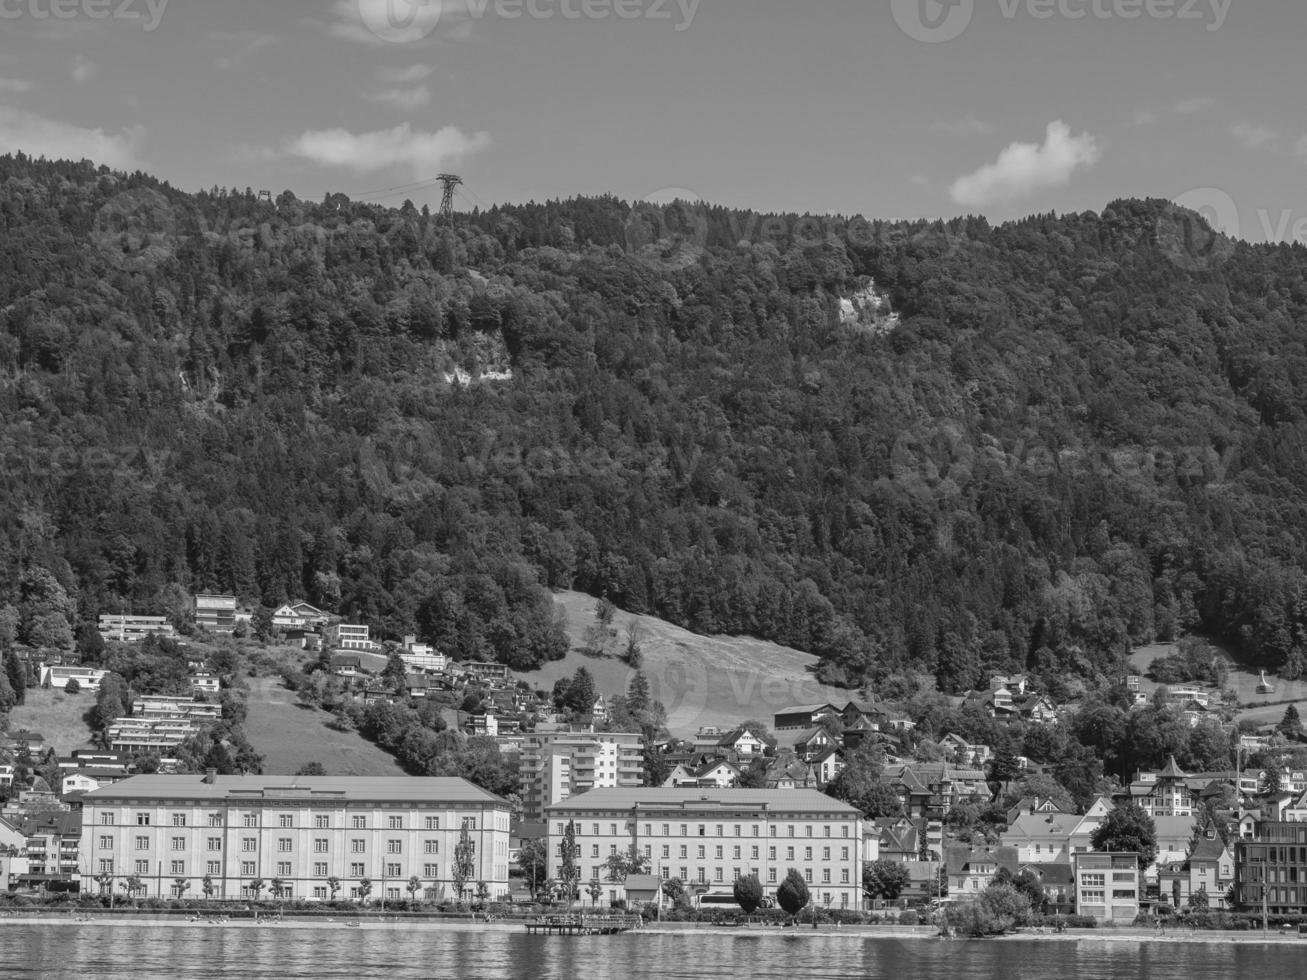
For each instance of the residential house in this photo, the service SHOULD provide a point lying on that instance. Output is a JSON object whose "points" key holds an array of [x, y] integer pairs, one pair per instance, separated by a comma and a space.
{"points": [[743, 742], [131, 629], [491, 673], [58, 675], [422, 657], [814, 741], [557, 765], [897, 839], [53, 847], [205, 684], [1108, 886], [972, 869], [350, 636], [1049, 837], [1058, 881], [299, 617], [965, 753], [827, 764], [1270, 868], [1208, 868], [800, 717], [215, 613]]}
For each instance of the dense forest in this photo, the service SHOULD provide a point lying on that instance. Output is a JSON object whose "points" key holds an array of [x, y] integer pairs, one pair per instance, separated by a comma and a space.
{"points": [[1069, 440]]}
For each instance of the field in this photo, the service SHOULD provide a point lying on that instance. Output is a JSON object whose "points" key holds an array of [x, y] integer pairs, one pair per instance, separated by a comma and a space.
{"points": [[289, 736], [702, 680], [1264, 709], [57, 716]]}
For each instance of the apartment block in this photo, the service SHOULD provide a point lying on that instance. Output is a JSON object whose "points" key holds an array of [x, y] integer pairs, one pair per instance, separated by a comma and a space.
{"points": [[58, 675], [1107, 886], [130, 629], [709, 838], [1270, 868], [558, 765], [216, 613], [374, 835], [349, 636]]}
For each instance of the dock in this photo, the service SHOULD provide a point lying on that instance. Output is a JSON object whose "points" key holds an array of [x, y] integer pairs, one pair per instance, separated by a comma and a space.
{"points": [[582, 925]]}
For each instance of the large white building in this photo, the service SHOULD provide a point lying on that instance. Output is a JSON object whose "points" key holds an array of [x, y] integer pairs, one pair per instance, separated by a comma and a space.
{"points": [[304, 831], [710, 837], [130, 629], [557, 765]]}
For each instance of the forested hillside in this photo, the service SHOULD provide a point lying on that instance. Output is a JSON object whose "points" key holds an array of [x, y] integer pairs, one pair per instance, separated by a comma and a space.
{"points": [[1070, 442]]}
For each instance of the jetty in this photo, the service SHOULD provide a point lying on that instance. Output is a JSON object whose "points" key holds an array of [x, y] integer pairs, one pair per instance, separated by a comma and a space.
{"points": [[582, 925]]}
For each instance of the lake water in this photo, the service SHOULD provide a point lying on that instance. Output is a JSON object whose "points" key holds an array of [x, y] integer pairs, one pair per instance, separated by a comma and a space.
{"points": [[147, 952]]}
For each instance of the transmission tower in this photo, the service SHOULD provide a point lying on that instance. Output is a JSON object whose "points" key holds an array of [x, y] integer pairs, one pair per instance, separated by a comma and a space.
{"points": [[450, 182]]}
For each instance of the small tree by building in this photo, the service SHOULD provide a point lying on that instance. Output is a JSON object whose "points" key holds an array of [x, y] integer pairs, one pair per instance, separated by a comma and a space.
{"points": [[414, 886], [533, 859], [482, 893], [256, 886], [792, 895], [568, 872], [365, 889], [464, 866], [180, 886], [748, 893], [595, 889], [74, 686], [885, 879], [207, 887], [1128, 828], [333, 883]]}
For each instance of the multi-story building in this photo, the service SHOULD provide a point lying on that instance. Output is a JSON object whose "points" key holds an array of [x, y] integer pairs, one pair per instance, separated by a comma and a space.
{"points": [[58, 675], [205, 684], [216, 613], [1270, 868], [130, 629], [52, 848], [367, 836], [174, 706], [349, 636], [421, 656], [1044, 837], [557, 765], [709, 838], [298, 617], [149, 734], [1107, 885]]}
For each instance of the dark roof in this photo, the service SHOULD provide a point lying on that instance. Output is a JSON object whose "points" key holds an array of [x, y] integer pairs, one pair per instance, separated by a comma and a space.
{"points": [[1052, 874], [960, 857], [66, 823], [691, 798]]}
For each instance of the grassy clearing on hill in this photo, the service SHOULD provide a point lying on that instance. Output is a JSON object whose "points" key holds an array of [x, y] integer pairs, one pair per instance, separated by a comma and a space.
{"points": [[289, 736], [57, 716], [1260, 708], [703, 680]]}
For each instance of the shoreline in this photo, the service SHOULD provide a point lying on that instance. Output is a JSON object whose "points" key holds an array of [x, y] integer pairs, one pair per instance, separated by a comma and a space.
{"points": [[1138, 936]]}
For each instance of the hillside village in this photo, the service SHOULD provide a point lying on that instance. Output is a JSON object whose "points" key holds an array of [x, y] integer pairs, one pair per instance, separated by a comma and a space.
{"points": [[957, 793]]}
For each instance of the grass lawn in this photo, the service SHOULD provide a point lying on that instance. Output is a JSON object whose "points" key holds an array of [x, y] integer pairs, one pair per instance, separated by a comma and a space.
{"points": [[702, 680], [57, 716], [289, 736]]}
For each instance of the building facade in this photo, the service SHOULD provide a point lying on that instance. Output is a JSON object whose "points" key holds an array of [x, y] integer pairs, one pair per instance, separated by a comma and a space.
{"points": [[130, 629], [557, 765], [709, 838], [349, 636], [216, 613], [1108, 886], [373, 835], [1270, 868], [58, 675]]}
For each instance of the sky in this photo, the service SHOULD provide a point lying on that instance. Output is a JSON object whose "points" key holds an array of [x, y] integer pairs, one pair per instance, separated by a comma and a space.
{"points": [[885, 108]]}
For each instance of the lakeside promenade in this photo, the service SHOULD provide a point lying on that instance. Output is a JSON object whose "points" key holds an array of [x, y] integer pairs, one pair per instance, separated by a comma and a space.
{"points": [[1129, 934]]}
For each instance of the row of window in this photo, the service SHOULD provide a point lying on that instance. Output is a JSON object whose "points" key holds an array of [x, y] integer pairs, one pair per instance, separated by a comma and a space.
{"points": [[719, 874], [808, 830], [284, 869], [719, 852], [358, 845], [321, 821]]}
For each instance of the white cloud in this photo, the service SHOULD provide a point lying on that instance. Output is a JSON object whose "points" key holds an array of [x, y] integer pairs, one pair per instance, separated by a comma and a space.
{"points": [[424, 153], [1025, 169], [41, 137], [15, 86], [84, 70], [406, 76], [968, 126], [404, 99], [1254, 135], [403, 90], [1188, 107], [241, 45]]}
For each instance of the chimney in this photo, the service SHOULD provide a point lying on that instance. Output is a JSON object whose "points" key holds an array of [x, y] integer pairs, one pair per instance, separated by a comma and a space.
{"points": [[211, 776]]}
